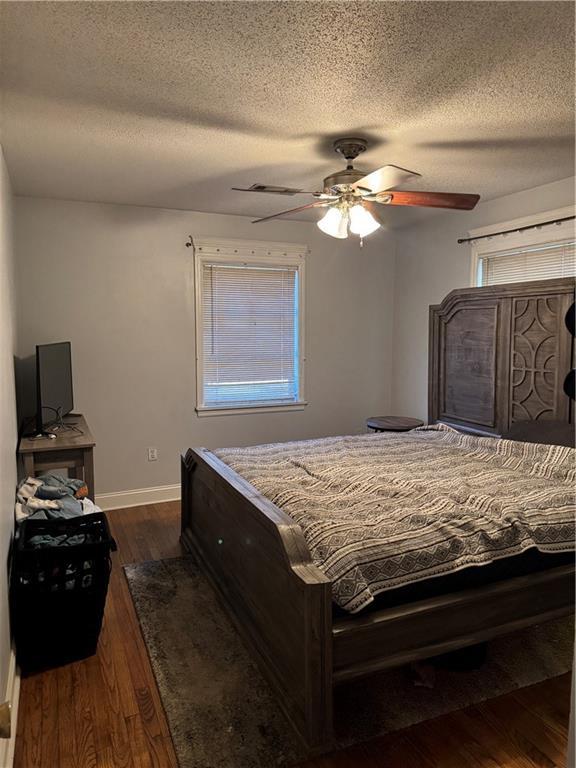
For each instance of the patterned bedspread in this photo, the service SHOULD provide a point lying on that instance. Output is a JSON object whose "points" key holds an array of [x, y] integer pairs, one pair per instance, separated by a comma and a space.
{"points": [[386, 510]]}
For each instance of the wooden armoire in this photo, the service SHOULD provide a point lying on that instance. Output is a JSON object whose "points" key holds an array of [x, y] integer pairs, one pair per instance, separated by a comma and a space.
{"points": [[500, 354]]}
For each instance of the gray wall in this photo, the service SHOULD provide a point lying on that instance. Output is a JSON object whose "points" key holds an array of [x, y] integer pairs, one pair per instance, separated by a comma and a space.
{"points": [[117, 282], [429, 264], [8, 429]]}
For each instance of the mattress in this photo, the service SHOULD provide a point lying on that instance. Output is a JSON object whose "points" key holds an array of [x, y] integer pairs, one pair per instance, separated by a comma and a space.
{"points": [[386, 512]]}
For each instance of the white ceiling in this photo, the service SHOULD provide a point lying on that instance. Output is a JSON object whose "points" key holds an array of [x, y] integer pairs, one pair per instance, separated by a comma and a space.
{"points": [[171, 103]]}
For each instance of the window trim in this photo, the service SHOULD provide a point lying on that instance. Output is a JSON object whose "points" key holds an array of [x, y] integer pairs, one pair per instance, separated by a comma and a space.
{"points": [[255, 252], [503, 243]]}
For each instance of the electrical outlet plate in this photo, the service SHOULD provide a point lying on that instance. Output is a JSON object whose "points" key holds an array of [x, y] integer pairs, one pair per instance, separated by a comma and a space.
{"points": [[152, 454]]}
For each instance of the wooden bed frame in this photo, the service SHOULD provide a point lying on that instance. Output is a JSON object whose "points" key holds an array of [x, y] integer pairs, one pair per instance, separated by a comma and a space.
{"points": [[258, 560]]}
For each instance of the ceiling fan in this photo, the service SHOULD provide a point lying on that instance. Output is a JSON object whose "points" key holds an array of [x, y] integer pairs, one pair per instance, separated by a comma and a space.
{"points": [[353, 198]]}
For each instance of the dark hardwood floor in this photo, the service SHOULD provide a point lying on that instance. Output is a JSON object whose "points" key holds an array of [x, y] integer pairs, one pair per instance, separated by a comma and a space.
{"points": [[105, 711]]}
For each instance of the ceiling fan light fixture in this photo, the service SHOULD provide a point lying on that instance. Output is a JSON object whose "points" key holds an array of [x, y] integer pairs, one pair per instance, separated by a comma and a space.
{"points": [[362, 222], [334, 223]]}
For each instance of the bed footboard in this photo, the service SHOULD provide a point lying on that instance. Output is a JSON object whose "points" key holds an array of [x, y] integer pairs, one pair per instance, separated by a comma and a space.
{"points": [[280, 602]]}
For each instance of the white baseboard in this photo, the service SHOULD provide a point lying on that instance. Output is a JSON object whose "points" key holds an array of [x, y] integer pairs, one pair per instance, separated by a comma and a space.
{"points": [[12, 695], [138, 497]]}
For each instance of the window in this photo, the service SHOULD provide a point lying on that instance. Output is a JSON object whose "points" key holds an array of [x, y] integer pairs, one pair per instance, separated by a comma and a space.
{"points": [[249, 325], [543, 253], [539, 262]]}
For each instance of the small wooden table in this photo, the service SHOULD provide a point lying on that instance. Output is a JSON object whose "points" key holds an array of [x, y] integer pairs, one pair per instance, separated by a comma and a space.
{"points": [[392, 423], [70, 449]]}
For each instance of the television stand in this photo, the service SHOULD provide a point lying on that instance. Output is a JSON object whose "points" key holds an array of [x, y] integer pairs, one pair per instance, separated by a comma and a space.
{"points": [[71, 449]]}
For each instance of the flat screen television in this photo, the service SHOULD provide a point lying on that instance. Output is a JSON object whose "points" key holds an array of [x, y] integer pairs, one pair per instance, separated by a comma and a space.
{"points": [[53, 383]]}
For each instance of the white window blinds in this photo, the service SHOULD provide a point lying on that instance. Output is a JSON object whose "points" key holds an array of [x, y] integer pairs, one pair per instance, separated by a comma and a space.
{"points": [[249, 328], [537, 262]]}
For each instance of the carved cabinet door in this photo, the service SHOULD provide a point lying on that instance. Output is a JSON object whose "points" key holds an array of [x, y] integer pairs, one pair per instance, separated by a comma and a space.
{"points": [[540, 358]]}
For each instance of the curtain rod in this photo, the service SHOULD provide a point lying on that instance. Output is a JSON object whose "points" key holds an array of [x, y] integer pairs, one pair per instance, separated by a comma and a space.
{"points": [[518, 229]]}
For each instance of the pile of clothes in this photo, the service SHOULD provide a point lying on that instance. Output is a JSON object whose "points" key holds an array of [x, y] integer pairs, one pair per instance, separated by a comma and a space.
{"points": [[50, 497]]}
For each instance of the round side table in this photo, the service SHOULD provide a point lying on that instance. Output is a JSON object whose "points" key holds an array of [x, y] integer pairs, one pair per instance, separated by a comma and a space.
{"points": [[393, 423]]}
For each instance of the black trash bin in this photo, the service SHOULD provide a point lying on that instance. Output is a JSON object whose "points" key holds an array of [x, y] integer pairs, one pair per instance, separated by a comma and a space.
{"points": [[58, 590]]}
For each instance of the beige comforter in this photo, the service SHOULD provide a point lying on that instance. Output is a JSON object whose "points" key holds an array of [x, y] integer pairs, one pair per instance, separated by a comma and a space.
{"points": [[386, 510]]}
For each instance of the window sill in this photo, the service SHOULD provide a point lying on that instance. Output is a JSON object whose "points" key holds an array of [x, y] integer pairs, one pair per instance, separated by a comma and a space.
{"points": [[235, 410]]}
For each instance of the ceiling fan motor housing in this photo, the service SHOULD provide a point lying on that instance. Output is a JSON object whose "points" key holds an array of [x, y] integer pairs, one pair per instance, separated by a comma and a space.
{"points": [[341, 180], [349, 148]]}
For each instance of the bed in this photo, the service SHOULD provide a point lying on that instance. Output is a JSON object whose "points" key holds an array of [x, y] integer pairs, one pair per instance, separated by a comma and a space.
{"points": [[485, 344]]}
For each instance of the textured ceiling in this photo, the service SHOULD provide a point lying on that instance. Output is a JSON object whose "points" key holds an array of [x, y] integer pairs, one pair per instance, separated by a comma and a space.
{"points": [[170, 104]]}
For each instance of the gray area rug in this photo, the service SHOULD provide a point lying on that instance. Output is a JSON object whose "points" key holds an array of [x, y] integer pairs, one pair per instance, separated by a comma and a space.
{"points": [[221, 713]]}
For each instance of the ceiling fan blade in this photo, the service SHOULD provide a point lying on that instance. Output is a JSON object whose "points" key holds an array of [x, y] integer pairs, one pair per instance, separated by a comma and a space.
{"points": [[431, 199], [385, 178], [272, 190], [316, 204]]}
